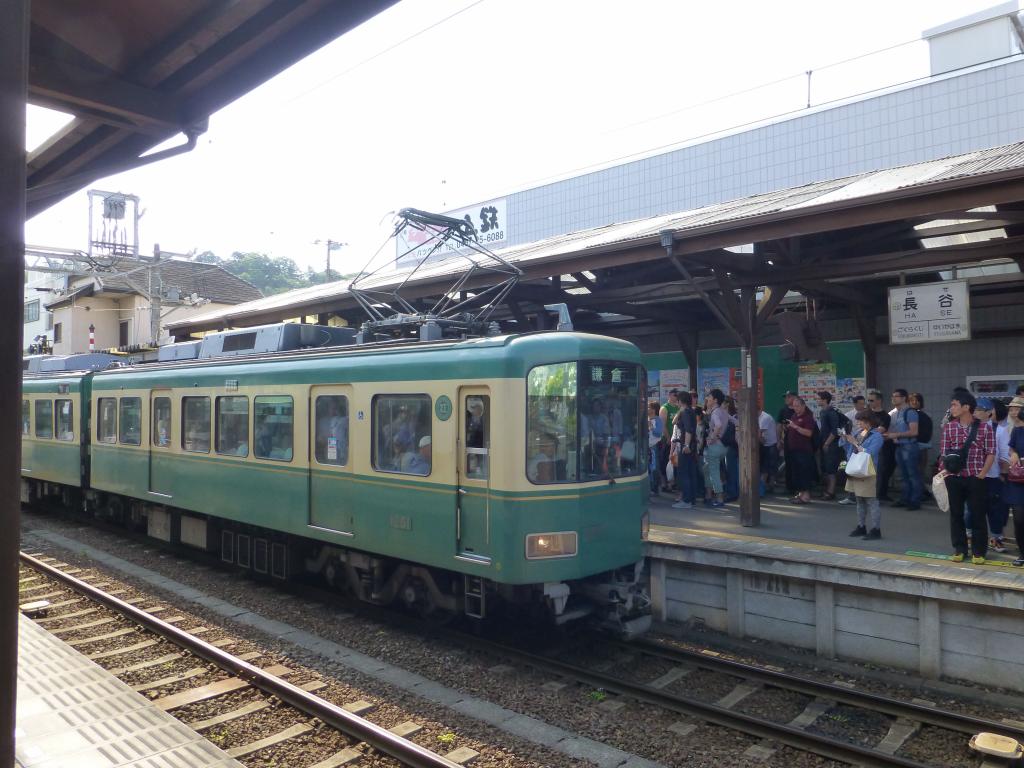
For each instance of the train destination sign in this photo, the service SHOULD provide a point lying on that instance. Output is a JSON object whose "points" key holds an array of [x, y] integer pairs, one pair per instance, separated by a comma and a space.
{"points": [[931, 312]]}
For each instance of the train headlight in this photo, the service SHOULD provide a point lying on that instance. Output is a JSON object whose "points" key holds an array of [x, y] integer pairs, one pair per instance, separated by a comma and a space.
{"points": [[544, 545]]}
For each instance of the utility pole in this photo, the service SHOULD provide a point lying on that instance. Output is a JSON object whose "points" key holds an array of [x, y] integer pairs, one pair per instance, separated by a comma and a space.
{"points": [[156, 289], [332, 245]]}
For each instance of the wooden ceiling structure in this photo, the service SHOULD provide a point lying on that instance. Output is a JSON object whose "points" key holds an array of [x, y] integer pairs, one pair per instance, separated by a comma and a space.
{"points": [[133, 74]]}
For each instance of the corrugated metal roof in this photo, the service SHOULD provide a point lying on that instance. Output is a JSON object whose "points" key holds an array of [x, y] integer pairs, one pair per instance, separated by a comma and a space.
{"points": [[862, 186]]}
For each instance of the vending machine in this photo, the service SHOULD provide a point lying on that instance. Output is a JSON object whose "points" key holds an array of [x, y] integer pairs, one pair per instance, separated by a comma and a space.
{"points": [[995, 387]]}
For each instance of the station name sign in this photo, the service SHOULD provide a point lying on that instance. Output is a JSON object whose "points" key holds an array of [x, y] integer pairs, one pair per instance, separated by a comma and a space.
{"points": [[933, 312], [490, 220]]}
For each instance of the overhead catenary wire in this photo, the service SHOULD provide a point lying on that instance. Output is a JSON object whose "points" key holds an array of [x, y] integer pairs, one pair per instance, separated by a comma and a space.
{"points": [[393, 46]]}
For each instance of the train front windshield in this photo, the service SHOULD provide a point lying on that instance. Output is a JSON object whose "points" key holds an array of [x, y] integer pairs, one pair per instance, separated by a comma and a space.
{"points": [[585, 421]]}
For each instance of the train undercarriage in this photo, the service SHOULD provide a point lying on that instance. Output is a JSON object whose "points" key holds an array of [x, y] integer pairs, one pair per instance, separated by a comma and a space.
{"points": [[617, 601]]}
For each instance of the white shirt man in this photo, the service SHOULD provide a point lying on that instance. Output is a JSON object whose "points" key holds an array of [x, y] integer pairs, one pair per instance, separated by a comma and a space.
{"points": [[766, 425]]}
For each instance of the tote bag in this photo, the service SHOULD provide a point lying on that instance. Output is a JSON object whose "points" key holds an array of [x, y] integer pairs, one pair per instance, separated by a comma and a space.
{"points": [[860, 465], [939, 492]]}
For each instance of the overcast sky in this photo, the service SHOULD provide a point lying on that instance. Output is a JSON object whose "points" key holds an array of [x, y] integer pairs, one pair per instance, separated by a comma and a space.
{"points": [[437, 104]]}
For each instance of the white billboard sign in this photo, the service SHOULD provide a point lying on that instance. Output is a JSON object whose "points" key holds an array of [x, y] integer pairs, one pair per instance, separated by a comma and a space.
{"points": [[490, 220], [932, 312]]}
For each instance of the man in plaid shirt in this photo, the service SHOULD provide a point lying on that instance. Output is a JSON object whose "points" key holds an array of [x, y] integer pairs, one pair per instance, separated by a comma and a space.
{"points": [[967, 485]]}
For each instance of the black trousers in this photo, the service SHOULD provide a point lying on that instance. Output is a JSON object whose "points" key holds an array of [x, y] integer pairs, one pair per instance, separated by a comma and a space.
{"points": [[972, 491]]}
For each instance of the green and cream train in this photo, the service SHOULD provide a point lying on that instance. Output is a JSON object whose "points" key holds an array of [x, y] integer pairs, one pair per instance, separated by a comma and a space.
{"points": [[453, 476]]}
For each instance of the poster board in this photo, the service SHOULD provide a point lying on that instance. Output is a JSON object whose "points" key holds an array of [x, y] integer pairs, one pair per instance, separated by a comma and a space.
{"points": [[674, 378], [812, 378]]}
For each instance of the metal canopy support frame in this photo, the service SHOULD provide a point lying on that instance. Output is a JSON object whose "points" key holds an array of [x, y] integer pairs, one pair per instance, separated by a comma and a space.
{"points": [[13, 94], [736, 308]]}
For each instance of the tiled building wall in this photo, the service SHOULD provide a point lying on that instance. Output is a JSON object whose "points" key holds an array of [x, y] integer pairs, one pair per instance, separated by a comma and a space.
{"points": [[934, 369], [946, 116]]}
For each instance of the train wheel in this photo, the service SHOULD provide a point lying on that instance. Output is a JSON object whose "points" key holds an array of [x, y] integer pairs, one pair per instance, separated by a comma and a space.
{"points": [[335, 575]]}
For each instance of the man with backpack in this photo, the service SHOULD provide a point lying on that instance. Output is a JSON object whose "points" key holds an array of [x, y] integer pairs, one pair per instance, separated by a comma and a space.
{"points": [[831, 452]]}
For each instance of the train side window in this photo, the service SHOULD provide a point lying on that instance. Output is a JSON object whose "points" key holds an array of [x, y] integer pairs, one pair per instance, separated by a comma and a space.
{"points": [[65, 419], [26, 417], [273, 418], [44, 418], [478, 436], [161, 435], [129, 421], [331, 438], [107, 422], [402, 434], [195, 424], [233, 425]]}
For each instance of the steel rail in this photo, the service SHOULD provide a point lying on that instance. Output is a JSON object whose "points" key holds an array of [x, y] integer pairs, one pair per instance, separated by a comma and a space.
{"points": [[953, 721], [407, 752], [737, 721]]}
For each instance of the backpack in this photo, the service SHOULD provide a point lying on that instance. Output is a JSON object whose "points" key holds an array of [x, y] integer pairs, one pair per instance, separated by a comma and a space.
{"points": [[729, 436], [924, 427]]}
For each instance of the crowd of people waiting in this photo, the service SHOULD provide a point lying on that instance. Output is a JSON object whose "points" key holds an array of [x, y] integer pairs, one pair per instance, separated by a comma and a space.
{"points": [[695, 454]]}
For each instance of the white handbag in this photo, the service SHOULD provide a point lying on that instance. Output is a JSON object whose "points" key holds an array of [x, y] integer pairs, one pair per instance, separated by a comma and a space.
{"points": [[860, 465], [939, 492]]}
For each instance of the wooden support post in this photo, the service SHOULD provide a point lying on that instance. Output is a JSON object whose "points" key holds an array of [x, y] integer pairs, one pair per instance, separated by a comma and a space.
{"points": [[750, 442], [868, 340], [688, 344], [14, 34], [749, 435]]}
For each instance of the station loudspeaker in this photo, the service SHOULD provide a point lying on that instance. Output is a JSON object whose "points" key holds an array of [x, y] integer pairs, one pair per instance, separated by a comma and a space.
{"points": [[804, 339]]}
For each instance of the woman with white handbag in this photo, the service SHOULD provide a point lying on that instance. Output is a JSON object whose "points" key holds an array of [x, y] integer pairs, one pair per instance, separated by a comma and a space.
{"points": [[862, 450]]}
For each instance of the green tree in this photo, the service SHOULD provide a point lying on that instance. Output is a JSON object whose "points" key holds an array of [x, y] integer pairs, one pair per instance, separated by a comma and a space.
{"points": [[271, 275], [319, 278], [205, 257]]}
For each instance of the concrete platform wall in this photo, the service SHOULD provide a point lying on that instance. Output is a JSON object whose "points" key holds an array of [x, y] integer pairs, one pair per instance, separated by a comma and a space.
{"points": [[933, 627]]}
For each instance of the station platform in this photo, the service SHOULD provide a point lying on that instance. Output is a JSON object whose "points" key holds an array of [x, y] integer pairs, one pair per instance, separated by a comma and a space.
{"points": [[72, 712], [799, 579], [921, 532]]}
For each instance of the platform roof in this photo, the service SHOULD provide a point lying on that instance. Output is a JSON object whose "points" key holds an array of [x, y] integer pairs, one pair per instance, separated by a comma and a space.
{"points": [[135, 73], [874, 225]]}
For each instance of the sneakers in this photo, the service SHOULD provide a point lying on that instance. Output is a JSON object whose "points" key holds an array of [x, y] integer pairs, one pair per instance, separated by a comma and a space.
{"points": [[717, 503], [1019, 562], [846, 500], [860, 530], [682, 505], [996, 545], [978, 560], [957, 558], [872, 535]]}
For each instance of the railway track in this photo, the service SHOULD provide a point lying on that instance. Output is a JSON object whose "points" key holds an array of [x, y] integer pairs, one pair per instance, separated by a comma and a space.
{"points": [[189, 687], [798, 732], [911, 711]]}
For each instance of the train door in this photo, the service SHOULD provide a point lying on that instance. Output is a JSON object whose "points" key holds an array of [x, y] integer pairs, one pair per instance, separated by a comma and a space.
{"points": [[473, 475], [160, 439], [331, 493]]}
